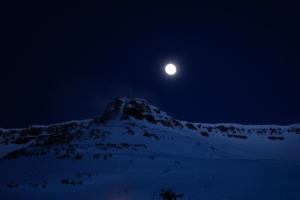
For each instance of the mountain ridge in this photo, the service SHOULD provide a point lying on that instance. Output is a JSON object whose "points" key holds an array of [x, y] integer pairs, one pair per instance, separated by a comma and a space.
{"points": [[136, 151], [137, 111]]}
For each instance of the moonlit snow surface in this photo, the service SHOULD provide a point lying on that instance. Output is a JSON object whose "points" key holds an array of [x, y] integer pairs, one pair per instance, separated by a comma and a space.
{"points": [[170, 69], [133, 158]]}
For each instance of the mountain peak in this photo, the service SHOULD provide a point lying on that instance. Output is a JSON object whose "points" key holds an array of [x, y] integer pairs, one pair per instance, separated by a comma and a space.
{"points": [[130, 108]]}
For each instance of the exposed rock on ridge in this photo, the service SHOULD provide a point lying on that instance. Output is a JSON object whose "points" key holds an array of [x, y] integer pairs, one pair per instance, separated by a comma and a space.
{"points": [[128, 112], [133, 108]]}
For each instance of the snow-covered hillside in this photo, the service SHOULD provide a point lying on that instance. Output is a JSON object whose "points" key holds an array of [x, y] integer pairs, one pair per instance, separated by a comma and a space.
{"points": [[136, 151]]}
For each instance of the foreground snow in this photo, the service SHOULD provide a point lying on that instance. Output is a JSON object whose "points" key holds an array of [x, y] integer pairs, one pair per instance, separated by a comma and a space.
{"points": [[134, 176]]}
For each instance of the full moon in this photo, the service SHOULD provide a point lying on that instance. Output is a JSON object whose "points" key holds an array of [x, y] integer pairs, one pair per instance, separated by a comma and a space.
{"points": [[170, 69]]}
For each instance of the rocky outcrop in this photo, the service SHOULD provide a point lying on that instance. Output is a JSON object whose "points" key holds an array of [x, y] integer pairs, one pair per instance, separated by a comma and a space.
{"points": [[128, 108], [111, 112]]}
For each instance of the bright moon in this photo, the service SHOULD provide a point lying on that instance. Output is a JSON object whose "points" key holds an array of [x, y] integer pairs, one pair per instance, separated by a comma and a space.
{"points": [[170, 69]]}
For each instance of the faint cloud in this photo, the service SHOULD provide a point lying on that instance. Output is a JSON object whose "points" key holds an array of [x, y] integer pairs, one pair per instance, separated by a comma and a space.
{"points": [[101, 99], [78, 99]]}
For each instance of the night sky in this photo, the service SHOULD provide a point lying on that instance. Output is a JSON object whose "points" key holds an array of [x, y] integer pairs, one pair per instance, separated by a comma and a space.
{"points": [[236, 62]]}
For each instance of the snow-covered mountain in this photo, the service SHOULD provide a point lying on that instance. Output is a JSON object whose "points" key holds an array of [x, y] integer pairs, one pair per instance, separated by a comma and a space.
{"points": [[136, 151]]}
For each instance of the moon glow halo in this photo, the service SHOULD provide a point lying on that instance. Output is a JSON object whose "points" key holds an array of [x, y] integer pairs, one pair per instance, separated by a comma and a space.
{"points": [[170, 69]]}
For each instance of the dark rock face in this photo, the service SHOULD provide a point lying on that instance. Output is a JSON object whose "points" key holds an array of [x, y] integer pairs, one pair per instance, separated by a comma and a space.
{"points": [[150, 118], [129, 107], [111, 112], [133, 112], [275, 138], [204, 134], [124, 108], [138, 109], [23, 140], [223, 128], [176, 123], [165, 123], [169, 195], [191, 126], [237, 136]]}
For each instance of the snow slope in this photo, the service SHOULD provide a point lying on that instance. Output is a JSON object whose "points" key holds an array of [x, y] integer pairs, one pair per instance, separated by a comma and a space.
{"points": [[136, 151]]}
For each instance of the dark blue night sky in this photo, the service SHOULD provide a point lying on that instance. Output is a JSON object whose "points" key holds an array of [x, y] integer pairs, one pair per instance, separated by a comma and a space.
{"points": [[237, 62]]}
